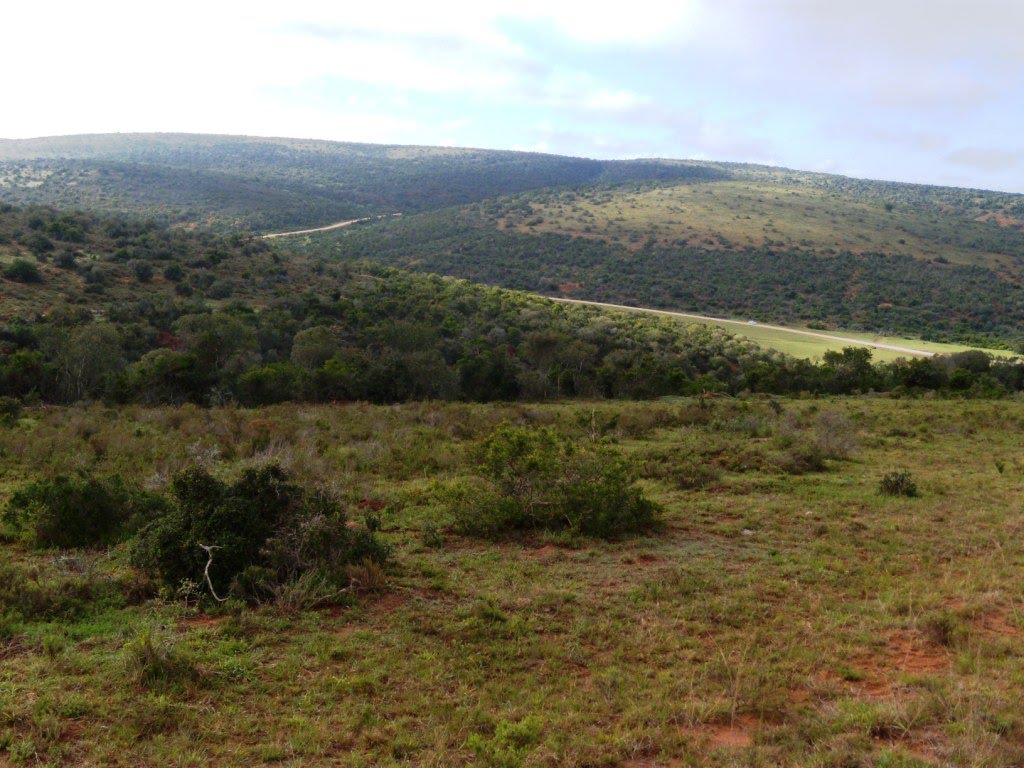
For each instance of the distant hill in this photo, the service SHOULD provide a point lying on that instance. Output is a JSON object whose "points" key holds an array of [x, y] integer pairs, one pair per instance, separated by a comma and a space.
{"points": [[731, 239], [768, 244], [261, 183]]}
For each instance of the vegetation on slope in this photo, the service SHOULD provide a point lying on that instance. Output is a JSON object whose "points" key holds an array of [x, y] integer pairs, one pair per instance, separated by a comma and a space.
{"points": [[888, 293], [139, 312], [718, 238], [258, 183]]}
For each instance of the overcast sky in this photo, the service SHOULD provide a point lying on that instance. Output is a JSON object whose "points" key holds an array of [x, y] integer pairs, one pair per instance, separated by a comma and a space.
{"points": [[890, 89]]}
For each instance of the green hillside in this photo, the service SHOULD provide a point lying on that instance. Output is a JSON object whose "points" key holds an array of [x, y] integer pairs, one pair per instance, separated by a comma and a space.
{"points": [[261, 183], [891, 293], [724, 239], [97, 307]]}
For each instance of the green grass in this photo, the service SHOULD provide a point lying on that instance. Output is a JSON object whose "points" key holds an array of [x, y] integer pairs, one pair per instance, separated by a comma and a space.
{"points": [[795, 342], [752, 213], [813, 347], [780, 617]]}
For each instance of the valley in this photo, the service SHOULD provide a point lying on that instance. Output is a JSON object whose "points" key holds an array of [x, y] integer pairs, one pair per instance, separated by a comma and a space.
{"points": [[289, 478]]}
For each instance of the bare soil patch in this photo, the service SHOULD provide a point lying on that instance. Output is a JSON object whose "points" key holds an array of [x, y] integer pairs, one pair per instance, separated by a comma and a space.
{"points": [[997, 624], [737, 734], [199, 621], [905, 653]]}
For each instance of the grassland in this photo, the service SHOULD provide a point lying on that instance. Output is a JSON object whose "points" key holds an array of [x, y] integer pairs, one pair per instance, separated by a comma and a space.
{"points": [[812, 344], [740, 214], [785, 614]]}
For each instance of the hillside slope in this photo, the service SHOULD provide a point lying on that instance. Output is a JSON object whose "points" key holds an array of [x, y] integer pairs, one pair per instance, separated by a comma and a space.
{"points": [[893, 293], [101, 307], [728, 239], [264, 183]]}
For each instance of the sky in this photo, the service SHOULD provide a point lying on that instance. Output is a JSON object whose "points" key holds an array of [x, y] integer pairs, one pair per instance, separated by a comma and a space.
{"points": [[904, 90]]}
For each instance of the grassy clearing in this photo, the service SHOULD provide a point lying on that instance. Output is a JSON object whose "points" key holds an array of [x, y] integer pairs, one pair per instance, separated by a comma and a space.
{"points": [[787, 613], [812, 347], [794, 341]]}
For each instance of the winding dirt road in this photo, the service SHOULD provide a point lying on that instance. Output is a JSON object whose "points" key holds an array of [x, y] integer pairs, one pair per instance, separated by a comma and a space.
{"points": [[665, 312]]}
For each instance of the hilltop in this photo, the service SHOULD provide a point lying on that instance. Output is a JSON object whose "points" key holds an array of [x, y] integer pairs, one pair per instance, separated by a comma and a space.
{"points": [[252, 183]]}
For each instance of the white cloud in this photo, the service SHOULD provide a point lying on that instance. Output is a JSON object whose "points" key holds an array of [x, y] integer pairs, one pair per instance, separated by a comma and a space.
{"points": [[804, 81], [613, 101]]}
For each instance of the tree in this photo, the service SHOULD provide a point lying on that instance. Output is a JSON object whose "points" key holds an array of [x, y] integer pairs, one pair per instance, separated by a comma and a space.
{"points": [[222, 345], [313, 347], [88, 360]]}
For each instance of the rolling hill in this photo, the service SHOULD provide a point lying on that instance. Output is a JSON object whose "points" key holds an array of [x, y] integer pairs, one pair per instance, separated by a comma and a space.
{"points": [[261, 183], [736, 240]]}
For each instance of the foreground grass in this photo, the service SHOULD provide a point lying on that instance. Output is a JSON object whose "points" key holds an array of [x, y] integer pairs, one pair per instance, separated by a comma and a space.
{"points": [[781, 617]]}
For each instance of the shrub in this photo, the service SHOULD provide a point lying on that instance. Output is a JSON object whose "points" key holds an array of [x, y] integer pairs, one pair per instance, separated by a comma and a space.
{"points": [[10, 409], [48, 593], [268, 532], [509, 746], [80, 511], [800, 458], [944, 628], [23, 271], [530, 478], [898, 483], [684, 470], [835, 435]]}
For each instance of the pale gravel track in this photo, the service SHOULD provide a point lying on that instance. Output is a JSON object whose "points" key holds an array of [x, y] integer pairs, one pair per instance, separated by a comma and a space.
{"points": [[664, 312], [337, 225], [815, 334]]}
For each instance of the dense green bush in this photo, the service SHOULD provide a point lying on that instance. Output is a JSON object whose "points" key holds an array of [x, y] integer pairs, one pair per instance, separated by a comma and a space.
{"points": [[532, 478], [23, 271], [268, 531], [80, 511]]}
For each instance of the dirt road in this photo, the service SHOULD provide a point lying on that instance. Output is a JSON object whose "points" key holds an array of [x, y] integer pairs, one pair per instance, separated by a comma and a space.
{"points": [[337, 225], [665, 312]]}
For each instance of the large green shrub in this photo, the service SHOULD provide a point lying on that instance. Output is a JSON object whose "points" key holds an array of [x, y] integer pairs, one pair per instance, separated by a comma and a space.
{"points": [[531, 478], [80, 511], [22, 271], [267, 531]]}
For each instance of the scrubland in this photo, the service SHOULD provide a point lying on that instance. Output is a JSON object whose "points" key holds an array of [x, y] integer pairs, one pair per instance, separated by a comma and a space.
{"points": [[793, 605]]}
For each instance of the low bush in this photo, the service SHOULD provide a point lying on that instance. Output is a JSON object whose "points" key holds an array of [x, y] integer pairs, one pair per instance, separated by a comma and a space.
{"points": [[267, 531], [48, 593], [531, 478], [155, 662], [80, 511], [898, 483], [10, 410], [684, 470]]}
